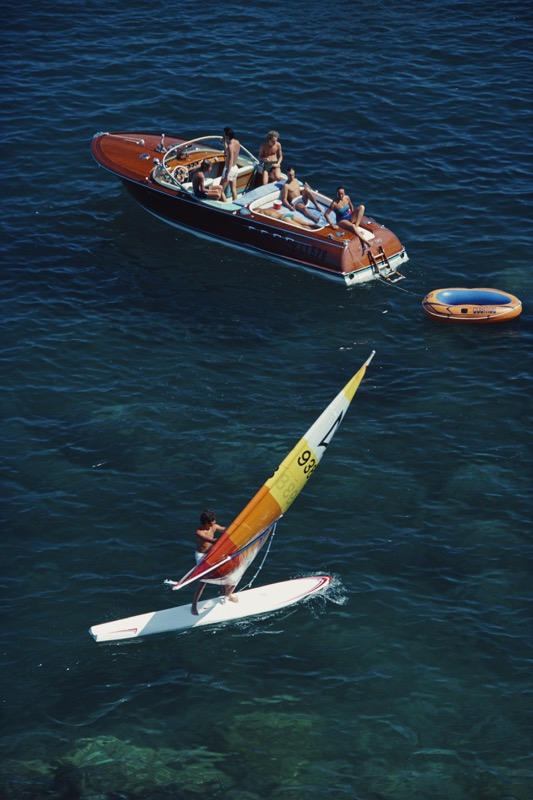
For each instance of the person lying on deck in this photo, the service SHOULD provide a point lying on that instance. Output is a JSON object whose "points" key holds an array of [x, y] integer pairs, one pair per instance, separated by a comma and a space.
{"points": [[199, 187], [293, 196], [287, 216]]}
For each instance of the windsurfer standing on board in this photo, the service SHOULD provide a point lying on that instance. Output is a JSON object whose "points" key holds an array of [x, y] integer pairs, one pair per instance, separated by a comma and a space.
{"points": [[205, 539]]}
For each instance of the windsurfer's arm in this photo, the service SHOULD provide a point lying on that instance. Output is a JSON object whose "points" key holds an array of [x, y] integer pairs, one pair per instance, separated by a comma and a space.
{"points": [[205, 536]]}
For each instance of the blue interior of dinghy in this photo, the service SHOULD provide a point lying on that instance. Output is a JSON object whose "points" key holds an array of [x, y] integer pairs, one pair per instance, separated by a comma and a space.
{"points": [[471, 297]]}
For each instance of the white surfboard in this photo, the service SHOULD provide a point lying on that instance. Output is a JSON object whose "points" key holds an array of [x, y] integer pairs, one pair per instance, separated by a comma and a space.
{"points": [[214, 611]]}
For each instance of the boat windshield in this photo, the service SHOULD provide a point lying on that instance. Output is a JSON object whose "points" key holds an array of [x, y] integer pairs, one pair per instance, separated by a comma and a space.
{"points": [[207, 146]]}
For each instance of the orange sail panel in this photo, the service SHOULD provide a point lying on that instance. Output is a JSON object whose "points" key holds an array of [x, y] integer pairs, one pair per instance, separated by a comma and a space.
{"points": [[229, 557]]}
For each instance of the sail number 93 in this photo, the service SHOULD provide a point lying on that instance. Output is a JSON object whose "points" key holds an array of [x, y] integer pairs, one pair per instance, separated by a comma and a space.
{"points": [[307, 462]]}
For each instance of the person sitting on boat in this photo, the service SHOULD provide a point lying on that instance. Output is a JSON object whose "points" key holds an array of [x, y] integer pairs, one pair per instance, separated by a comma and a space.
{"points": [[201, 190], [294, 197], [271, 156], [346, 215], [231, 150], [205, 539]]}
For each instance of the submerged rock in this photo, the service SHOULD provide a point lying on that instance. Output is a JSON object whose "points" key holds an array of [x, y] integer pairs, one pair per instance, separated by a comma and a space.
{"points": [[274, 748], [107, 767]]}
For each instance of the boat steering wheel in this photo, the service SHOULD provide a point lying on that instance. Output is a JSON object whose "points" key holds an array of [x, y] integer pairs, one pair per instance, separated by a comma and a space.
{"points": [[181, 173]]}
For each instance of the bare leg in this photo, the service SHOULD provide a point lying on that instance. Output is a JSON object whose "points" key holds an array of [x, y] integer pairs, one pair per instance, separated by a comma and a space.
{"points": [[233, 186], [275, 175], [307, 194], [216, 193], [229, 594], [359, 213], [302, 208], [197, 595], [353, 224]]}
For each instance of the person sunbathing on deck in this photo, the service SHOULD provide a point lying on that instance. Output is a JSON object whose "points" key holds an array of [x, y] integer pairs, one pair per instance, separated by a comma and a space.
{"points": [[287, 216], [201, 190], [294, 197]]}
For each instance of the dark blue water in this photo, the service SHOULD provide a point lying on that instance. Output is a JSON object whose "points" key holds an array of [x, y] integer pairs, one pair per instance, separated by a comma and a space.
{"points": [[148, 374]]}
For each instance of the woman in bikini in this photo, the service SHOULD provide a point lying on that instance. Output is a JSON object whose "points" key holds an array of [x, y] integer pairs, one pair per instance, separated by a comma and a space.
{"points": [[346, 215], [271, 156]]}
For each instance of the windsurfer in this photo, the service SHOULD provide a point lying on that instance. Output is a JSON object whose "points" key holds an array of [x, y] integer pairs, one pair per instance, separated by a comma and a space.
{"points": [[205, 539]]}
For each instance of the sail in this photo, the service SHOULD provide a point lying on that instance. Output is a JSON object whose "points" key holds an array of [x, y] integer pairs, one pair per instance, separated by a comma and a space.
{"points": [[229, 557]]}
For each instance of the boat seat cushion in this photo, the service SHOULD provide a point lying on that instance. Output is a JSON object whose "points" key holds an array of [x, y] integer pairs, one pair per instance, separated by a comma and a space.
{"points": [[256, 194]]}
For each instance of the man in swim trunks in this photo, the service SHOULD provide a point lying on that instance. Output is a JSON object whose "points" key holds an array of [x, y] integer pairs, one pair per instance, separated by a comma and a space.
{"points": [[205, 539], [199, 187], [294, 197], [271, 156], [231, 149]]}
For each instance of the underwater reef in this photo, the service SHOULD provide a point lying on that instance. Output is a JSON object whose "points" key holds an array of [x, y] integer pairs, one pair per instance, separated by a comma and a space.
{"points": [[262, 755]]}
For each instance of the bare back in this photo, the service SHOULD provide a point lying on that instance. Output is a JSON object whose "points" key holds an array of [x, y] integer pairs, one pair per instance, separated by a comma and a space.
{"points": [[232, 152]]}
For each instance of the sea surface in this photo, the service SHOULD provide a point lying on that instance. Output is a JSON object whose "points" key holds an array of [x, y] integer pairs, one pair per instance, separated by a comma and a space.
{"points": [[148, 374]]}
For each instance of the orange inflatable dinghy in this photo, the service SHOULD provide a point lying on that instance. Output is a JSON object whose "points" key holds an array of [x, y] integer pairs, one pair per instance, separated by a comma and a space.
{"points": [[471, 305]]}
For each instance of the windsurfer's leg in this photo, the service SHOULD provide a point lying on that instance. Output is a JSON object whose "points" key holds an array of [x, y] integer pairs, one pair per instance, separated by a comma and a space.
{"points": [[229, 594], [197, 595]]}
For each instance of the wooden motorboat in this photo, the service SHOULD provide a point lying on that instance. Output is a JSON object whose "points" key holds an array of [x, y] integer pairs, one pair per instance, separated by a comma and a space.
{"points": [[157, 171], [471, 305]]}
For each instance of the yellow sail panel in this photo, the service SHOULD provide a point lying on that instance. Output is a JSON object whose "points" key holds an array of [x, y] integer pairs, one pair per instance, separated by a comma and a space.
{"points": [[296, 469]]}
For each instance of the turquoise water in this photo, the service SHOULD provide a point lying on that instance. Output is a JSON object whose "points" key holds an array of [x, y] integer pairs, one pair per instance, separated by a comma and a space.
{"points": [[148, 374]]}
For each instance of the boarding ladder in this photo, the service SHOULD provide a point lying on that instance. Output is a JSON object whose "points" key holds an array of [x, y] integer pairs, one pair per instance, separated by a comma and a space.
{"points": [[381, 266]]}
